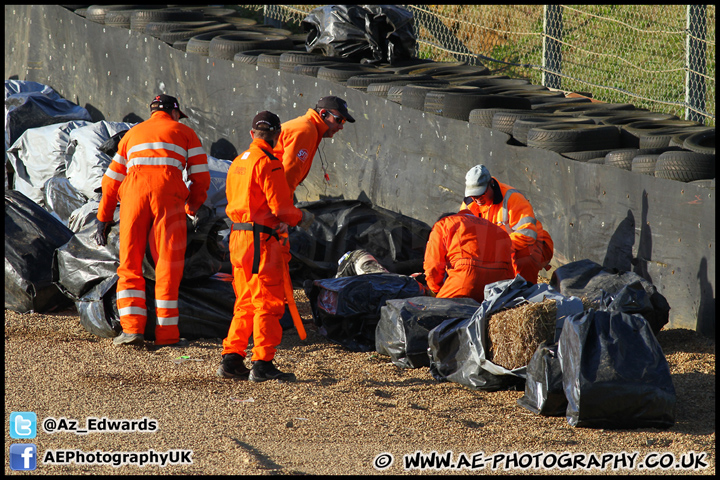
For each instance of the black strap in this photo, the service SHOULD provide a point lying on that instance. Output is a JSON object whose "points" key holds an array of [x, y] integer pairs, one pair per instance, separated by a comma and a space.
{"points": [[256, 228]]}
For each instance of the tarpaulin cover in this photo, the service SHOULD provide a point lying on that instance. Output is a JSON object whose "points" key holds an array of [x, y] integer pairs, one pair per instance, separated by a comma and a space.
{"points": [[31, 236], [585, 278], [458, 347], [32, 104], [205, 307], [347, 309], [80, 264], [615, 374], [86, 165], [375, 33], [544, 393], [38, 155], [61, 198], [402, 332], [396, 241]]}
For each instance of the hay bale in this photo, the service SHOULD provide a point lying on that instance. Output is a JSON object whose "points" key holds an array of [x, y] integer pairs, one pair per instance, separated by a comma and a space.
{"points": [[515, 333]]}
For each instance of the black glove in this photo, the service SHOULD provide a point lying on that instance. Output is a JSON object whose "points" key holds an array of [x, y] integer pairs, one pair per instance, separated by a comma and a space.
{"points": [[201, 216], [103, 228]]}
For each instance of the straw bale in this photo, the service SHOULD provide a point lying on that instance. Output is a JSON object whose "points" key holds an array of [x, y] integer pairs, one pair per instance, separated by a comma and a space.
{"points": [[515, 333]]}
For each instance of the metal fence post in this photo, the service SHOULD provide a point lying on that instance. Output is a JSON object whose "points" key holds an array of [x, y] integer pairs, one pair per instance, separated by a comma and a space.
{"points": [[552, 36], [696, 51]]}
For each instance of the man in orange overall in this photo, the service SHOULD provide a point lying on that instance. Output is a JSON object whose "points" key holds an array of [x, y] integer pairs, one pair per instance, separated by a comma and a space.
{"points": [[261, 208], [464, 253], [299, 142], [532, 247], [146, 175]]}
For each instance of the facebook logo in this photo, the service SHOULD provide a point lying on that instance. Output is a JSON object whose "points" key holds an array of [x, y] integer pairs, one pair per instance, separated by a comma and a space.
{"points": [[23, 456], [23, 425]]}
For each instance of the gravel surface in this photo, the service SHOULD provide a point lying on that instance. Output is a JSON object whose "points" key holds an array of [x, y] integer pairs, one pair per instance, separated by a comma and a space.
{"points": [[343, 412]]}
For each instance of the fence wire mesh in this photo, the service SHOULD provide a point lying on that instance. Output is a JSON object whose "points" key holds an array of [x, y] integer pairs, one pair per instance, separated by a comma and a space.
{"points": [[659, 57]]}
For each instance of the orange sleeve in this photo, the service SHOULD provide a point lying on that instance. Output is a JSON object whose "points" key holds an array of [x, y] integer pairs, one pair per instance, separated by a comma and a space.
{"points": [[277, 193], [198, 173], [111, 181], [522, 222], [435, 261]]}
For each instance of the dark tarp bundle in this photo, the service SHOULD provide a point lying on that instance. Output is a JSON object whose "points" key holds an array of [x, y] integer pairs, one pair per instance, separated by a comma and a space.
{"points": [[347, 309], [544, 392], [31, 237], [615, 374], [402, 332], [375, 33], [458, 347], [62, 199], [205, 308], [31, 105], [396, 241], [80, 264], [585, 278]]}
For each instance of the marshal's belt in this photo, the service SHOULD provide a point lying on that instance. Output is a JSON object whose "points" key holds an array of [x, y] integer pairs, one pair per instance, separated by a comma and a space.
{"points": [[256, 228]]}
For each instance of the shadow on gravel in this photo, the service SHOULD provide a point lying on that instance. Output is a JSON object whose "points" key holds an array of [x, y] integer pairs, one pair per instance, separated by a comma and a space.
{"points": [[264, 461], [684, 340]]}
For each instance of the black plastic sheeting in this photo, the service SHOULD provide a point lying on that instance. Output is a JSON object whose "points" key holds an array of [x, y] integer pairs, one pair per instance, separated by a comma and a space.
{"points": [[615, 374], [585, 278], [347, 309], [31, 104], [374, 33], [544, 393], [396, 241], [205, 308], [458, 348], [31, 236], [402, 332]]}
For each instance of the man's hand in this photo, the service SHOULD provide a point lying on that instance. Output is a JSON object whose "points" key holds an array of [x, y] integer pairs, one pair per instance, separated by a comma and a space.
{"points": [[202, 214], [307, 219], [101, 234]]}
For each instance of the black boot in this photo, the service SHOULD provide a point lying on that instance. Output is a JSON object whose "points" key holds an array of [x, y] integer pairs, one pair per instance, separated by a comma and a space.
{"points": [[233, 366], [265, 370]]}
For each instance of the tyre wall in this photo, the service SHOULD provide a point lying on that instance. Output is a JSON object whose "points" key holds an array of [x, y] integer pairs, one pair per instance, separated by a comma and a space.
{"points": [[401, 159]]}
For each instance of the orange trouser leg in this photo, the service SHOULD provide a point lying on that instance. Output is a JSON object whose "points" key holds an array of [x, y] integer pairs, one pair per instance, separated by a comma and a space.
{"points": [[171, 240], [135, 222], [260, 298]]}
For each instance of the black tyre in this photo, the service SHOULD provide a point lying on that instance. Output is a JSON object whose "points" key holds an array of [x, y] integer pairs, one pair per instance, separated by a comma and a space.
{"points": [[593, 106], [597, 160], [251, 56], [631, 132], [701, 142], [96, 13], [289, 60], [157, 28], [685, 166], [459, 106], [178, 34], [661, 137], [226, 46], [679, 140], [505, 119], [522, 126], [628, 117], [623, 157], [311, 69], [140, 18], [484, 116], [269, 60], [180, 45], [553, 103], [440, 71], [370, 78], [512, 89], [584, 156], [200, 44], [486, 81], [567, 137], [118, 18], [434, 100], [644, 164], [240, 22], [340, 73]]}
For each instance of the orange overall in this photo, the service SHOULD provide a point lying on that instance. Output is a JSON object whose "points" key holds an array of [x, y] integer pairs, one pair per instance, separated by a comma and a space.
{"points": [[258, 201], [531, 244], [464, 253], [146, 177]]}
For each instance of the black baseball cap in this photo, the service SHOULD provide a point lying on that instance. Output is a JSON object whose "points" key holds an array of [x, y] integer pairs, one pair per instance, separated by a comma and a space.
{"points": [[266, 121], [167, 104], [335, 103]]}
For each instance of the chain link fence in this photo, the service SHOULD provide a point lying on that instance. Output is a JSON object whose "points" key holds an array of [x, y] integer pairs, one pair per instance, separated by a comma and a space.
{"points": [[659, 57]]}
